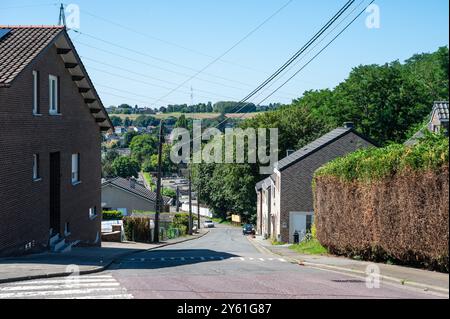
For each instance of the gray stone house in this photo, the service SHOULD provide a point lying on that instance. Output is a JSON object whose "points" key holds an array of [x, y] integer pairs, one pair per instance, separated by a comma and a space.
{"points": [[285, 199], [438, 122], [129, 196]]}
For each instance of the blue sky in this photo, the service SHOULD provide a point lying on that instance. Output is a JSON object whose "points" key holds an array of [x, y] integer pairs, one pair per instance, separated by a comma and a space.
{"points": [[210, 27]]}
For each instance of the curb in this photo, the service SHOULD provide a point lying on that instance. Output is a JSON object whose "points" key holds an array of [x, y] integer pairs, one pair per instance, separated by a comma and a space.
{"points": [[356, 273], [99, 268]]}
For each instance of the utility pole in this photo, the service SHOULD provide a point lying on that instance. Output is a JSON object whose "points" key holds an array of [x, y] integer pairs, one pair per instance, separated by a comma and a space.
{"points": [[178, 199], [158, 183], [190, 204], [198, 196], [62, 16]]}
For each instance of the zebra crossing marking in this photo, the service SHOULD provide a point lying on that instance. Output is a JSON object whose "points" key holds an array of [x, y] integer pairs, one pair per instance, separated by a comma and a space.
{"points": [[80, 287]]}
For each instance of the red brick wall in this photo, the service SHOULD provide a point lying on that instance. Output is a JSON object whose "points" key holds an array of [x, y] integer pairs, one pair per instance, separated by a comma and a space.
{"points": [[24, 204]]}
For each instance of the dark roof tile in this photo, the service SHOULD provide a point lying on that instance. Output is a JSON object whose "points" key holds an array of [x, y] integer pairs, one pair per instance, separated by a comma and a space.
{"points": [[21, 45]]}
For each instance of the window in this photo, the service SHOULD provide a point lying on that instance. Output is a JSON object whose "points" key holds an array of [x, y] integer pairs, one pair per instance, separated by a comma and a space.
{"points": [[75, 168], [36, 175], [93, 212], [36, 109], [53, 97]]}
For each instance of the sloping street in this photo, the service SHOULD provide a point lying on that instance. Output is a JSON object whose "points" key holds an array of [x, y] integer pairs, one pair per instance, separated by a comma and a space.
{"points": [[224, 264]]}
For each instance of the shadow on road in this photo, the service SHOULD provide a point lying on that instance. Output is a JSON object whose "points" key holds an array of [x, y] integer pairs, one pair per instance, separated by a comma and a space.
{"points": [[171, 258]]}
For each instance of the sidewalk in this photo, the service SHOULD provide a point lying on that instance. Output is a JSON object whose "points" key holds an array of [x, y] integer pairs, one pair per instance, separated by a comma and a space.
{"points": [[417, 278], [88, 260]]}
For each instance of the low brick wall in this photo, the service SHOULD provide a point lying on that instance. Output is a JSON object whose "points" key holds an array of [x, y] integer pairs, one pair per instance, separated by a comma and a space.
{"points": [[114, 236], [404, 218]]}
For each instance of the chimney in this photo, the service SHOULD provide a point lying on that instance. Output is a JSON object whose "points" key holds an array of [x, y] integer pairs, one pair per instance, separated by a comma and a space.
{"points": [[132, 182], [349, 125]]}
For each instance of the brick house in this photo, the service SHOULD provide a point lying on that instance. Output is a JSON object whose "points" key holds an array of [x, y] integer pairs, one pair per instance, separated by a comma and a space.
{"points": [[51, 119], [285, 199]]}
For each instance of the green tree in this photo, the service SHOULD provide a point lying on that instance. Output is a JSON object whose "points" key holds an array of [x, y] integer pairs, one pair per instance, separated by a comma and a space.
{"points": [[125, 167], [143, 147], [116, 121], [182, 122], [128, 137]]}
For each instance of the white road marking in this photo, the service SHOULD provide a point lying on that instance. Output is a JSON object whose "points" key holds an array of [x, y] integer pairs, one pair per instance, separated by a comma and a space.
{"points": [[121, 296], [182, 258], [282, 260], [262, 259], [56, 293], [66, 280], [241, 258], [82, 287], [59, 286]]}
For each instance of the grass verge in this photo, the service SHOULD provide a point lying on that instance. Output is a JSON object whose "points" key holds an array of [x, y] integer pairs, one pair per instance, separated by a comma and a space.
{"points": [[312, 247]]}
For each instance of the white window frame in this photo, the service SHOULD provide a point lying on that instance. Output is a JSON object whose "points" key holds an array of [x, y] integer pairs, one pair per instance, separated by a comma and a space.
{"points": [[53, 96], [36, 176], [93, 212], [75, 176], [35, 92]]}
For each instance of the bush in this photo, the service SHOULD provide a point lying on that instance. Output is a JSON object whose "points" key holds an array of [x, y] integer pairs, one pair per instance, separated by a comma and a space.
{"points": [[182, 220], [373, 164], [137, 229], [111, 215]]}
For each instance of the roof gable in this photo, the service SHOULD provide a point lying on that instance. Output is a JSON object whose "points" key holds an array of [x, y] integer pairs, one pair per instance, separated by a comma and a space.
{"points": [[315, 146], [138, 189], [23, 44], [440, 109]]}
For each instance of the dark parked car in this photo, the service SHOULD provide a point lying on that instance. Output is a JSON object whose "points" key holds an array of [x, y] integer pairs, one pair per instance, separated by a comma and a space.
{"points": [[248, 229]]}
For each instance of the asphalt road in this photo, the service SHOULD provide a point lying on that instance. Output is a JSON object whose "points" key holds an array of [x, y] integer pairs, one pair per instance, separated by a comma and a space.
{"points": [[223, 264]]}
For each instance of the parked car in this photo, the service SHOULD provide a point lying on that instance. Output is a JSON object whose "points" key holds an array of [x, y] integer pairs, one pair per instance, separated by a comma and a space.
{"points": [[208, 224], [248, 229]]}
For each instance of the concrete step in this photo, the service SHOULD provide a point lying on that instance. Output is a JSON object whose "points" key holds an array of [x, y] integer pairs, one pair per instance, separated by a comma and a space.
{"points": [[67, 248], [54, 240]]}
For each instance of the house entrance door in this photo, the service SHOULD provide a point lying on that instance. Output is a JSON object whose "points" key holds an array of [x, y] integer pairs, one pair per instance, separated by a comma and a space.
{"points": [[55, 192]]}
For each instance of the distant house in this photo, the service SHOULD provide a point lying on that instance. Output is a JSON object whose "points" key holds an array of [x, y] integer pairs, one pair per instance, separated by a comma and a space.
{"points": [[285, 199], [438, 122], [129, 196], [120, 130], [50, 143]]}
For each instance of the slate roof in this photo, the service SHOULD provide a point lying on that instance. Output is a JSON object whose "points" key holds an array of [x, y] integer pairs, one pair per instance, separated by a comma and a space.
{"points": [[264, 184], [138, 189], [442, 110], [21, 45], [314, 146]]}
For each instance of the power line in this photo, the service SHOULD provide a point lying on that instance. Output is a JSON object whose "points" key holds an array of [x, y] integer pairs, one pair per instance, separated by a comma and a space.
{"points": [[312, 49], [155, 85], [296, 55], [318, 53], [172, 71], [165, 41], [227, 51], [290, 61], [301, 51]]}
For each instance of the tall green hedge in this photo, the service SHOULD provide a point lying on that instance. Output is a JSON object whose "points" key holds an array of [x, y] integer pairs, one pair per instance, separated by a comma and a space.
{"points": [[377, 163]]}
